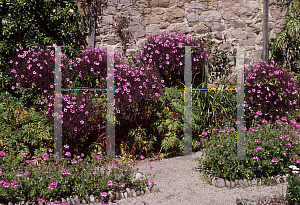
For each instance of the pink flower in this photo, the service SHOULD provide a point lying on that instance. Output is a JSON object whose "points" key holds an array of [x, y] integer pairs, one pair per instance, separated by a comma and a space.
{"points": [[104, 194], [110, 183], [150, 181]]}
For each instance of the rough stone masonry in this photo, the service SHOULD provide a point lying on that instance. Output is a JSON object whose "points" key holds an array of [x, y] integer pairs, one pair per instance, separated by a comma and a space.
{"points": [[239, 21]]}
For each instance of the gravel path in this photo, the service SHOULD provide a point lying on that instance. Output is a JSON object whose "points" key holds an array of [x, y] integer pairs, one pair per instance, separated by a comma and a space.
{"points": [[180, 182]]}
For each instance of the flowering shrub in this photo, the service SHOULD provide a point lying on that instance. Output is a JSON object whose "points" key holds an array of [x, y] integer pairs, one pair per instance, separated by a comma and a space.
{"points": [[165, 54], [272, 87]]}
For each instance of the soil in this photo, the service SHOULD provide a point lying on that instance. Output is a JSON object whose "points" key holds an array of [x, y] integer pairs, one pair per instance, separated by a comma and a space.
{"points": [[180, 182]]}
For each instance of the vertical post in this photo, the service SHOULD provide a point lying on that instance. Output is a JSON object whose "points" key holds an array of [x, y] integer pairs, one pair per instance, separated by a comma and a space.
{"points": [[188, 103], [188, 146], [92, 28], [58, 106], [240, 105], [110, 128], [265, 29]]}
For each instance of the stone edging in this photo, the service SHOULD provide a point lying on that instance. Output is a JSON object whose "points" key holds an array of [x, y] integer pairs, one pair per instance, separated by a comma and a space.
{"points": [[221, 183]]}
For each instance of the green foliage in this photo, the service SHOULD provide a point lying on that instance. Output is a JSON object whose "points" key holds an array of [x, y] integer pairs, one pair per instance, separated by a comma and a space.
{"points": [[37, 23], [23, 126], [144, 142], [293, 190], [286, 45], [266, 146]]}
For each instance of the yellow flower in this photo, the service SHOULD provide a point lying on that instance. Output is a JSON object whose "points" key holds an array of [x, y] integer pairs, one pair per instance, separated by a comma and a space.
{"points": [[71, 10], [54, 10]]}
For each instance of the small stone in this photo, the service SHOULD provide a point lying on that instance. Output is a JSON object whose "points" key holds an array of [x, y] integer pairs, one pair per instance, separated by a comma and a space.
{"points": [[133, 193], [122, 195], [227, 183], [68, 200], [232, 184], [220, 183], [138, 192], [147, 191], [254, 182], [245, 182], [63, 200], [142, 192], [125, 195], [76, 199], [249, 182], [92, 199], [214, 181], [97, 201], [241, 183], [128, 192], [83, 201], [236, 183], [73, 201]]}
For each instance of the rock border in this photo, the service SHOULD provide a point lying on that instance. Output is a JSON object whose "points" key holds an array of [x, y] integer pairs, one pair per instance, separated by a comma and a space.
{"points": [[97, 200], [221, 183]]}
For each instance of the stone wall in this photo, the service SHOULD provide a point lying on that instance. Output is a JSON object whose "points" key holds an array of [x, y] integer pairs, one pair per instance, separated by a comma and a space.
{"points": [[227, 21]]}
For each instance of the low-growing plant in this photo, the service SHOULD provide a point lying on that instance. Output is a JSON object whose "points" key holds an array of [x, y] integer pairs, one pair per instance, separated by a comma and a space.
{"points": [[21, 181], [293, 189], [272, 148], [24, 126]]}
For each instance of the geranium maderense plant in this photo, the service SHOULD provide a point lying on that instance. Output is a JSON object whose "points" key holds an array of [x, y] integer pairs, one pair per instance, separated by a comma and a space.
{"points": [[162, 54], [37, 63], [271, 87]]}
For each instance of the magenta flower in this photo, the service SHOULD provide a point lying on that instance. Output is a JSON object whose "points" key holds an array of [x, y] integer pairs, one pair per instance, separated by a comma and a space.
{"points": [[110, 183], [104, 194]]}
